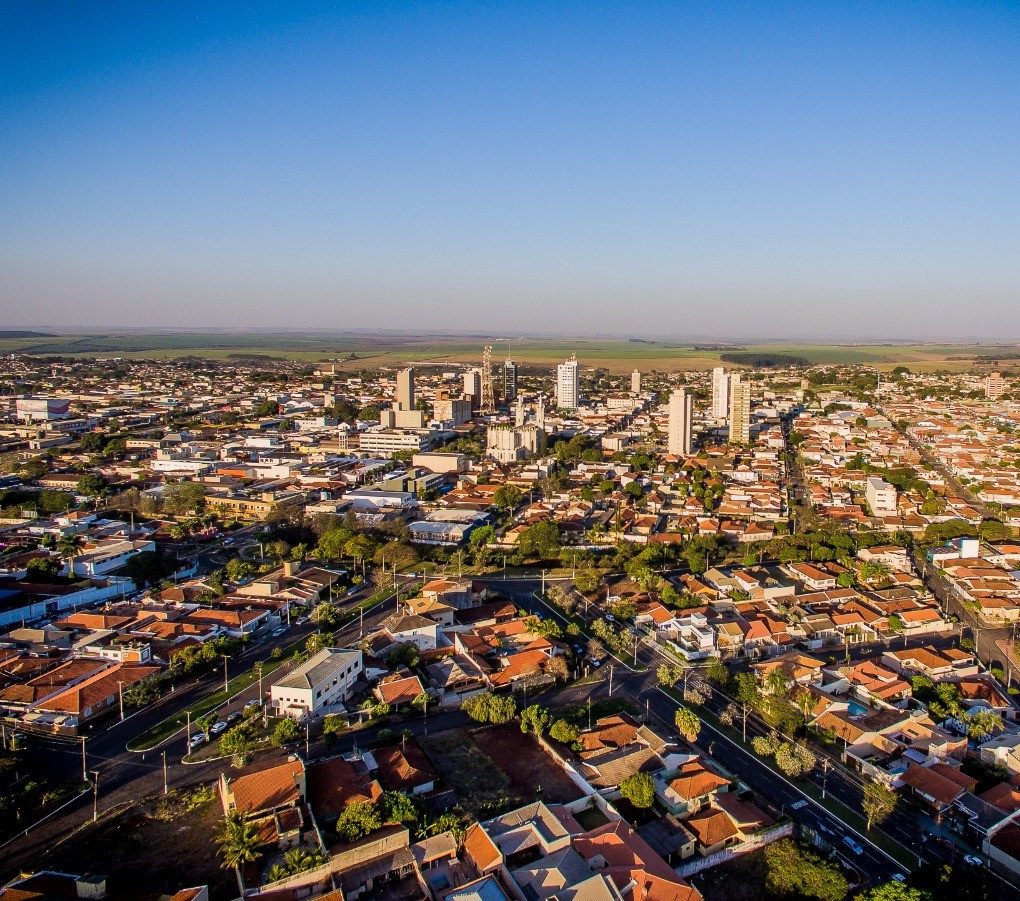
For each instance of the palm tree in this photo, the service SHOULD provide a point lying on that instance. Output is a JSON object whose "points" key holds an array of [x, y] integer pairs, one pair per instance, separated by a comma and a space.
{"points": [[239, 843], [68, 547]]}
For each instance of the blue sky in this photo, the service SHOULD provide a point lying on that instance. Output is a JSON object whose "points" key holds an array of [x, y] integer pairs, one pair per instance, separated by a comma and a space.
{"points": [[745, 170]]}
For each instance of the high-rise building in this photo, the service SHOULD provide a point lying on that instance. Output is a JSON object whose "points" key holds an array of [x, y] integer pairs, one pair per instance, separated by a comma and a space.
{"points": [[681, 422], [740, 410], [635, 382], [995, 386], [405, 389], [568, 384], [509, 380], [720, 393], [473, 385]]}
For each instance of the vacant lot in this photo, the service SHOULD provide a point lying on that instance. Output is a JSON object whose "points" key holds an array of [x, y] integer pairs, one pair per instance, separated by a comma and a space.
{"points": [[163, 847], [532, 770], [482, 787]]}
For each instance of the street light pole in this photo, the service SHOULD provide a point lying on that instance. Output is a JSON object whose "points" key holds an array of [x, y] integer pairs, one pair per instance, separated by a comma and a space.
{"points": [[84, 766], [95, 795], [120, 689], [166, 782], [226, 681]]}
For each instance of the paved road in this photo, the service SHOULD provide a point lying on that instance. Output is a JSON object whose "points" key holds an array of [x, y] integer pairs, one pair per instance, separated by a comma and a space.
{"points": [[125, 776], [780, 793]]}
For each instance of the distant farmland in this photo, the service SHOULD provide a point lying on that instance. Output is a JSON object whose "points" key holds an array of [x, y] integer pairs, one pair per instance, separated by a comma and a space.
{"points": [[369, 350]]}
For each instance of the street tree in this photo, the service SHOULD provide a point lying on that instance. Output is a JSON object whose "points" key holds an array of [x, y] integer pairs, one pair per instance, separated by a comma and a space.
{"points": [[879, 803], [687, 723]]}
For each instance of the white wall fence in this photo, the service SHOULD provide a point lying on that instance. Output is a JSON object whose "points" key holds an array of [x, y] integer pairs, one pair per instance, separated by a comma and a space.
{"points": [[746, 847]]}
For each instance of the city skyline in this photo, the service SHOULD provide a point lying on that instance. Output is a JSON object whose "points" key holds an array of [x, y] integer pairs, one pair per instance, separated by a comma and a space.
{"points": [[720, 171]]}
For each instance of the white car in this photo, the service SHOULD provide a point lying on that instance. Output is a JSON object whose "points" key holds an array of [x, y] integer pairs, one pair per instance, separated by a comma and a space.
{"points": [[199, 738], [973, 860], [217, 727]]}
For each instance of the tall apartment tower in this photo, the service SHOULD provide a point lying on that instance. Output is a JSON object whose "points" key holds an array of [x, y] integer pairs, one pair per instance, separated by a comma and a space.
{"points": [[995, 386], [509, 380], [635, 382], [405, 389], [720, 393], [681, 421], [568, 384], [473, 385], [740, 410]]}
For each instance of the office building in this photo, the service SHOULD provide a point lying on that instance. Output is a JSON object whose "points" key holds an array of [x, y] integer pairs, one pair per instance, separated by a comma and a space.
{"points": [[720, 393], [405, 389], [635, 382], [568, 384], [509, 380], [740, 410], [681, 423]]}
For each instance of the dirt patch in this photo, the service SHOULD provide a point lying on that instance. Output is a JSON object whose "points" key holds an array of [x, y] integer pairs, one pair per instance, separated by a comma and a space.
{"points": [[532, 770], [165, 854], [481, 786]]}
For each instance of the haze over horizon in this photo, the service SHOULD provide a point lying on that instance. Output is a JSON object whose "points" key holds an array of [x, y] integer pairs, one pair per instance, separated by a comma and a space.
{"points": [[724, 170]]}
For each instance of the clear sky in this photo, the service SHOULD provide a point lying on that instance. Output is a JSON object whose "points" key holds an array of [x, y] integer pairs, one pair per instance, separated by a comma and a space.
{"points": [[676, 169]]}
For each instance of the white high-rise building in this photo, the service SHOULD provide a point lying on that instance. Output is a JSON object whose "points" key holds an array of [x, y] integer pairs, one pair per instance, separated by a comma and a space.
{"points": [[720, 393], [681, 422], [740, 410], [473, 385], [405, 389], [635, 382], [568, 384]]}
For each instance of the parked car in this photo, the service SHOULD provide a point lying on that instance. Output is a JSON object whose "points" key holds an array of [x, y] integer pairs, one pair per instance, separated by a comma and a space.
{"points": [[852, 845], [798, 805], [899, 877], [253, 705], [610, 618], [217, 727], [278, 632], [199, 738], [973, 860], [234, 717], [595, 661]]}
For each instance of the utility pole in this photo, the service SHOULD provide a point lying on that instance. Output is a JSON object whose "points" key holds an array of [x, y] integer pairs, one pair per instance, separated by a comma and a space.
{"points": [[589, 713], [95, 795], [543, 583], [120, 690], [825, 774], [307, 728], [226, 682], [610, 680], [84, 766], [361, 622], [166, 781], [189, 730]]}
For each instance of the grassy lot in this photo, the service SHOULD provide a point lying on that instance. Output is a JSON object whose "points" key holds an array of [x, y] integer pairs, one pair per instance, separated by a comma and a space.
{"points": [[482, 787]]}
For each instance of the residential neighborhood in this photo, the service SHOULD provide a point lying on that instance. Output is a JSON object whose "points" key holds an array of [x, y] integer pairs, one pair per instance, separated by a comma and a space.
{"points": [[442, 633]]}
